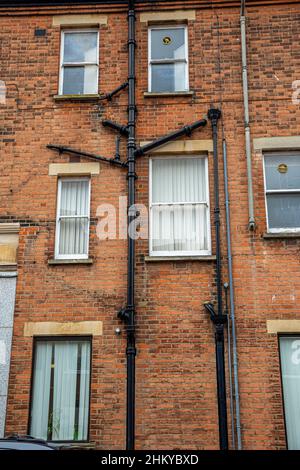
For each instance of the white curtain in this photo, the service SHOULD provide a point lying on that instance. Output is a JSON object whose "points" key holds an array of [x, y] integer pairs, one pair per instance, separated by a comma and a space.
{"points": [[67, 420], [74, 217], [179, 204], [290, 366], [84, 392], [64, 396], [41, 390]]}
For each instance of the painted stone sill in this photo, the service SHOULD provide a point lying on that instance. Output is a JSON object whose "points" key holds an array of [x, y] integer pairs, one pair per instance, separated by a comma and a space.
{"points": [[76, 97], [70, 261], [281, 235], [179, 258], [150, 94]]}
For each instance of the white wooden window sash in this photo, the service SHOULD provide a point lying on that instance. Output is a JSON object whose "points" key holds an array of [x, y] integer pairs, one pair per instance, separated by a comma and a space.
{"points": [[63, 64], [184, 61], [204, 203], [60, 218], [277, 191]]}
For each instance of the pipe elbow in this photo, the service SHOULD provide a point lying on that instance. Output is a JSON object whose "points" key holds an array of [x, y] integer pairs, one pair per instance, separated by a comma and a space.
{"points": [[252, 225]]}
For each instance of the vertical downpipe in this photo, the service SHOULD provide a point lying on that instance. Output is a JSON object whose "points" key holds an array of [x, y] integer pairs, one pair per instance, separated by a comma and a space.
{"points": [[246, 117], [131, 349], [232, 304], [219, 320]]}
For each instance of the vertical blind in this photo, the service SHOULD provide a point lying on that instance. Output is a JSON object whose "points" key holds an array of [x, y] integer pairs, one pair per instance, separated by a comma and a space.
{"points": [[73, 217], [60, 399], [179, 206], [290, 368]]}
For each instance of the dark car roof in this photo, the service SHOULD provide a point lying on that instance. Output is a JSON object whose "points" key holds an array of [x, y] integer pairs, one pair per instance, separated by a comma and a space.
{"points": [[16, 442]]}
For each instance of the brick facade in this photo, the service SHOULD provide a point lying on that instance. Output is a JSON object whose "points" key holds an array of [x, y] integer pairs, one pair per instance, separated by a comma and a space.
{"points": [[176, 402]]}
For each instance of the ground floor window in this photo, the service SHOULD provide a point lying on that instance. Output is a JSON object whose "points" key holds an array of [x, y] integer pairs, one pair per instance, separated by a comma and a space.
{"points": [[61, 389], [290, 370]]}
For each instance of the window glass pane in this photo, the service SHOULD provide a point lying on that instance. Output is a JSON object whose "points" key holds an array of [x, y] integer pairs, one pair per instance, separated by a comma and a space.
{"points": [[74, 199], [41, 391], [80, 47], [73, 81], [80, 80], [62, 372], [283, 210], [90, 80], [73, 237], [179, 228], [282, 180], [168, 43], [290, 367], [178, 180], [168, 77]]}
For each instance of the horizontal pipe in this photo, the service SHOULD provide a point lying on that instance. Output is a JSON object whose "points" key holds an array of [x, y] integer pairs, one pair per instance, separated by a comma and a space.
{"points": [[92, 156], [186, 130], [115, 126]]}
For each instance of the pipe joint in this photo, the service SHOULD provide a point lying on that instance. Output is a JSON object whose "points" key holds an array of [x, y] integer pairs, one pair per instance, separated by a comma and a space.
{"points": [[131, 351], [214, 115], [123, 130], [252, 225]]}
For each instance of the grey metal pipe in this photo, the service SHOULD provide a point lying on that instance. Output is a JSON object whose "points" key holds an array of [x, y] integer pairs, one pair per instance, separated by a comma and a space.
{"points": [[229, 359], [246, 117], [232, 305]]}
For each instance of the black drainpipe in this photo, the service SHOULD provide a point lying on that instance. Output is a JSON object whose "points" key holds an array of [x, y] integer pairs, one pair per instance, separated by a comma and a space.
{"points": [[219, 319], [128, 314]]}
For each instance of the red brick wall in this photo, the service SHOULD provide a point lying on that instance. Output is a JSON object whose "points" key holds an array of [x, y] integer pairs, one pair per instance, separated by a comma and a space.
{"points": [[176, 386]]}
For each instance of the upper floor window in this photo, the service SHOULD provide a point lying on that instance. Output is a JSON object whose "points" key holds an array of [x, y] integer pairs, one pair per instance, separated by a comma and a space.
{"points": [[282, 186], [61, 388], [179, 206], [168, 59], [79, 62], [290, 370], [73, 218]]}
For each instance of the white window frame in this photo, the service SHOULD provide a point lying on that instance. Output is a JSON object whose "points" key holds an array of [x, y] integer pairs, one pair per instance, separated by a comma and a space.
{"points": [[175, 254], [54, 339], [58, 218], [76, 64], [296, 336], [277, 191], [168, 61]]}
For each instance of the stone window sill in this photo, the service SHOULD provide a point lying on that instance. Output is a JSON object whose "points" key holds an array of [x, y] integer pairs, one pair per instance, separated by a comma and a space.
{"points": [[281, 235], [150, 94], [70, 261], [179, 258], [76, 97]]}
